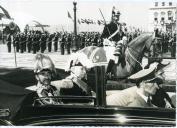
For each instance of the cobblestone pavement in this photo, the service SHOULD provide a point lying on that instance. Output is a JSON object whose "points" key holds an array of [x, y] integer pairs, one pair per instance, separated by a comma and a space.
{"points": [[26, 60]]}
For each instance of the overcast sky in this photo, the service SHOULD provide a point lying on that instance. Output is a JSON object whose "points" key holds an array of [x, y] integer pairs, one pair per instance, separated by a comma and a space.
{"points": [[53, 12]]}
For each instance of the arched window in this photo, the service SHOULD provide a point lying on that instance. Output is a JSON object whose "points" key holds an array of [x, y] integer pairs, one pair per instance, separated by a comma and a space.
{"points": [[162, 13], [155, 14]]}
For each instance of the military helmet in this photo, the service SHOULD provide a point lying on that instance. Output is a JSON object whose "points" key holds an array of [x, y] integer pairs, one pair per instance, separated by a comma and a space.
{"points": [[115, 12], [43, 62]]}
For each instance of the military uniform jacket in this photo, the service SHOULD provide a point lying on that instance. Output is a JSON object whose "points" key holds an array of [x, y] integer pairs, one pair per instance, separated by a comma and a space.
{"points": [[112, 28], [43, 91]]}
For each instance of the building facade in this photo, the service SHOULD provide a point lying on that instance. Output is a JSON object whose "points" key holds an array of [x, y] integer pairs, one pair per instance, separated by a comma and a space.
{"points": [[162, 16]]}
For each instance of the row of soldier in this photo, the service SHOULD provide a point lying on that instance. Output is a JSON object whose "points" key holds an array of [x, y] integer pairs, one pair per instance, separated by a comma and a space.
{"points": [[40, 42]]}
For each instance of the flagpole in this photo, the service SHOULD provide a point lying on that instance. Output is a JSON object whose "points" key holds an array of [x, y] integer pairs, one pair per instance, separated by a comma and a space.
{"points": [[12, 39], [2, 34], [75, 28]]}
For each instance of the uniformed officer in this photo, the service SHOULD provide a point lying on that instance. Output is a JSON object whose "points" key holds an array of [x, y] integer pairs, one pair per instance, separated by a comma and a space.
{"points": [[17, 40], [9, 42], [119, 56], [113, 31], [49, 42], [95, 40], [55, 42], [76, 83], [29, 42], [42, 43], [25, 42], [21, 43], [68, 44], [173, 46], [44, 70], [147, 93], [82, 41], [62, 44], [34, 42]]}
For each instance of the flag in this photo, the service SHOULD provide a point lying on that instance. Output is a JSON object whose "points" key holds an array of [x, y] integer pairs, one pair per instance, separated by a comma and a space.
{"points": [[82, 21], [69, 16], [86, 21], [99, 23]]}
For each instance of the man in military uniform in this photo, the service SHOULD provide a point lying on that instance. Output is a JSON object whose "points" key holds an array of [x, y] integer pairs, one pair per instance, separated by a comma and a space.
{"points": [[21, 43], [16, 41], [172, 41], [9, 42], [44, 70], [42, 43], [55, 42], [147, 93], [68, 44], [25, 42], [29, 42], [62, 44], [113, 31], [75, 84], [49, 42], [34, 43]]}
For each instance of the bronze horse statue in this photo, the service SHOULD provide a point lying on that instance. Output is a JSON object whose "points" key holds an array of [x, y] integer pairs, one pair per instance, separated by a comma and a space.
{"points": [[133, 55]]}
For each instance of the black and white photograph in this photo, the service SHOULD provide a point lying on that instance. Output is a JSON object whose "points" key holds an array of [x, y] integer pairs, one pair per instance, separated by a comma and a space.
{"points": [[88, 63]]}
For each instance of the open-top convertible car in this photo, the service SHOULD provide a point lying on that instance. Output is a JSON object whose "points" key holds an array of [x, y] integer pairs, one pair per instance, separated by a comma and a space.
{"points": [[22, 107]]}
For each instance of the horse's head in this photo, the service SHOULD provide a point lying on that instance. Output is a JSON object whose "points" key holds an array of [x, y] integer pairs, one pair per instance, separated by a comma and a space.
{"points": [[149, 42], [142, 43]]}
